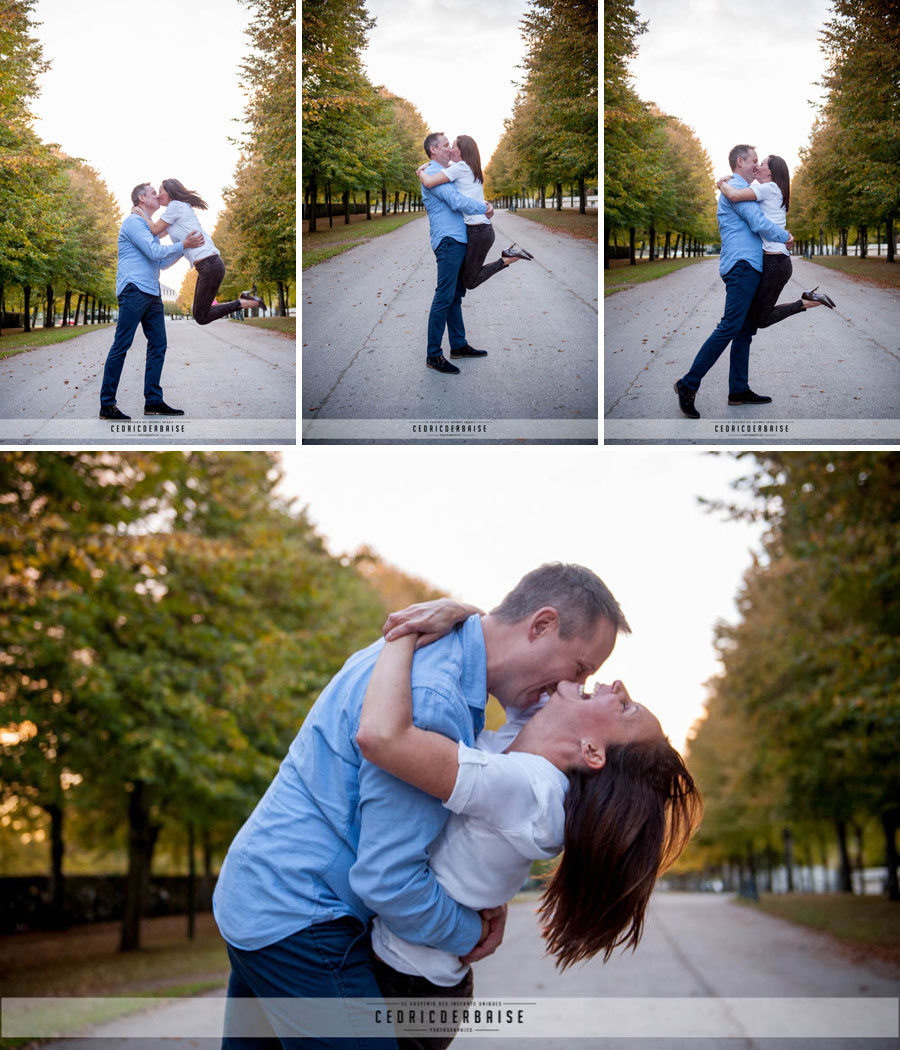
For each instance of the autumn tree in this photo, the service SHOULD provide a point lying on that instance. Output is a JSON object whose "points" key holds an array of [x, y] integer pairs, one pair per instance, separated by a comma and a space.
{"points": [[810, 669]]}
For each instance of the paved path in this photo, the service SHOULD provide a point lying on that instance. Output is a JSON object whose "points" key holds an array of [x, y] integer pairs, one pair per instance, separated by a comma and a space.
{"points": [[834, 375], [695, 947], [364, 319], [236, 383]]}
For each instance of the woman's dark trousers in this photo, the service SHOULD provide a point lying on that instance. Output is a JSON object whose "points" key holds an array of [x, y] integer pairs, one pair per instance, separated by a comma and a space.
{"points": [[481, 237], [210, 272], [396, 985], [777, 270]]}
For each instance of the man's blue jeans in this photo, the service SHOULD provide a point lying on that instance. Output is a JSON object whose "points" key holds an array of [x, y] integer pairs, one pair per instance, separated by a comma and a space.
{"points": [[331, 960], [736, 328], [136, 308], [446, 307]]}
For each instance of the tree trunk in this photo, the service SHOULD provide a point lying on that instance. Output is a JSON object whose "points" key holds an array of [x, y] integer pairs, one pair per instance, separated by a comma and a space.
{"points": [[383, 201], [142, 833], [889, 237], [631, 259], [559, 196], [328, 205], [846, 882], [606, 248], [396, 201], [345, 198], [78, 308], [368, 205], [57, 850], [50, 312], [34, 314], [889, 823], [652, 241], [282, 305], [864, 242], [313, 202], [666, 247], [26, 313], [582, 196], [67, 303], [788, 838], [192, 883]]}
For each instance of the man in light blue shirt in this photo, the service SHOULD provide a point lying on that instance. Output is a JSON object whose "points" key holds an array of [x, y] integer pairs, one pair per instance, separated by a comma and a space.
{"points": [[335, 839], [740, 266], [445, 206], [141, 257]]}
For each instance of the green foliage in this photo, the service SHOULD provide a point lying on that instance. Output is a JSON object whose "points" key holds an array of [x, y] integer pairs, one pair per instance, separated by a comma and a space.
{"points": [[552, 134], [166, 620], [57, 218], [258, 228], [656, 173], [802, 725], [849, 169]]}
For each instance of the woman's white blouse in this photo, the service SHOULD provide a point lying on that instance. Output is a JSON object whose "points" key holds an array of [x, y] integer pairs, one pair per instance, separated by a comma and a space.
{"points": [[771, 200], [463, 178], [182, 220], [507, 811]]}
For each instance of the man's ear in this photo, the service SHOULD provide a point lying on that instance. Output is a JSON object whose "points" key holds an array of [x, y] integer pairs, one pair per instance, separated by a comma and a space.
{"points": [[545, 620], [593, 756]]}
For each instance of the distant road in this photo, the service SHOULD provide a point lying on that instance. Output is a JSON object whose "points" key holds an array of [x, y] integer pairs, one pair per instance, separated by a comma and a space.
{"points": [[833, 375], [235, 382], [365, 314], [696, 947]]}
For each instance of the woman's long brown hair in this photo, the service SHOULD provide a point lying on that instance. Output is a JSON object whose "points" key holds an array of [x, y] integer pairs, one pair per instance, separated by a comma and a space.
{"points": [[178, 193], [468, 150], [781, 177], [626, 823]]}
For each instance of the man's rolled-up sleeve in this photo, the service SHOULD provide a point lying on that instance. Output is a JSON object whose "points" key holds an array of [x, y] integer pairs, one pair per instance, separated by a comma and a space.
{"points": [[451, 196], [752, 215], [397, 825], [164, 255]]}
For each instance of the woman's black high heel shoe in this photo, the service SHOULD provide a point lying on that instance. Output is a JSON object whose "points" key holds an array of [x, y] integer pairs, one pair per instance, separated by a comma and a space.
{"points": [[254, 298], [512, 252], [818, 297]]}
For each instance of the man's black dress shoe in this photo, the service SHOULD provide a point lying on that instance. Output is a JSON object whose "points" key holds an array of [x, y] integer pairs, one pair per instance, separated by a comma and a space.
{"points": [[112, 412], [467, 351], [440, 364], [160, 408], [686, 399], [747, 397]]}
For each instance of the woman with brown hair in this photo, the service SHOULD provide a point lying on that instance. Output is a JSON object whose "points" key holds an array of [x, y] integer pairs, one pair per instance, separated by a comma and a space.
{"points": [[178, 220], [464, 171], [593, 776], [772, 188]]}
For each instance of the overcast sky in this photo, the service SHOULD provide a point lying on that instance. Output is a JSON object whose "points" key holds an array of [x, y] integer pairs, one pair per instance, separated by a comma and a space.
{"points": [[145, 93], [734, 72], [472, 521], [454, 61]]}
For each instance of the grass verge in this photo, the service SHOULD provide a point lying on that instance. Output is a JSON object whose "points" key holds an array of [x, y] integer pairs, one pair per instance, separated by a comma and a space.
{"points": [[869, 925], [872, 270], [568, 221], [84, 961], [622, 275], [325, 242], [282, 325], [15, 341]]}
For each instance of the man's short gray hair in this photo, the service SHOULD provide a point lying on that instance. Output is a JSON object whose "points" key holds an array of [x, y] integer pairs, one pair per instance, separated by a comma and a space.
{"points": [[743, 151], [579, 596], [138, 192]]}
